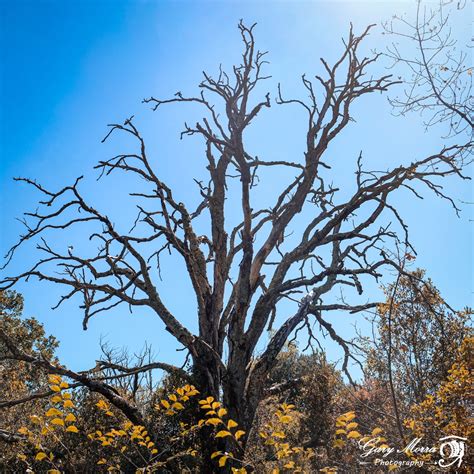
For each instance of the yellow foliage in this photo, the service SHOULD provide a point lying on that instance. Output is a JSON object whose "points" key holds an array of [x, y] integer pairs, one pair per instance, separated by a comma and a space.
{"points": [[214, 421], [231, 424], [40, 456], [223, 460], [54, 379], [339, 443], [53, 412]]}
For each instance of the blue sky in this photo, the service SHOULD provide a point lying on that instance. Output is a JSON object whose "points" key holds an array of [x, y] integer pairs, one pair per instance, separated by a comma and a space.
{"points": [[70, 68]]}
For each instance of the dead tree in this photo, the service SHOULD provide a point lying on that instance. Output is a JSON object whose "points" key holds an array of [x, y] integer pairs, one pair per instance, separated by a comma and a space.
{"points": [[241, 275]]}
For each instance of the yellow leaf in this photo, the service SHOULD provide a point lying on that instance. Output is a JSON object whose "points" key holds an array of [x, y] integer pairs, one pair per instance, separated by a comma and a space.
{"points": [[238, 434], [68, 404], [223, 460], [376, 431], [56, 399], [352, 426], [177, 406], [392, 467], [70, 417], [53, 412], [231, 424], [221, 412], [213, 421], [339, 443], [64, 385], [21, 457], [341, 432], [102, 405], [285, 419], [279, 434], [72, 429], [290, 465], [40, 456], [353, 435], [35, 419], [223, 434], [57, 421], [54, 471], [165, 403], [349, 416], [66, 395], [173, 397], [102, 461], [55, 388], [215, 454], [55, 379]]}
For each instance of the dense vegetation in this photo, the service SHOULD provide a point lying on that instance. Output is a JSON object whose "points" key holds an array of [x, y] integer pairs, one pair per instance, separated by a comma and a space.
{"points": [[310, 419]]}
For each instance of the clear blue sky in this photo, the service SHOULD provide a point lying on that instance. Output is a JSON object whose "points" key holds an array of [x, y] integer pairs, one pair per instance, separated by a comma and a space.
{"points": [[70, 68]]}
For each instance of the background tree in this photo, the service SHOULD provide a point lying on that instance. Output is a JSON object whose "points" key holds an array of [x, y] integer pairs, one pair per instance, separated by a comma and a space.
{"points": [[425, 336], [241, 274], [438, 77], [19, 380], [448, 411]]}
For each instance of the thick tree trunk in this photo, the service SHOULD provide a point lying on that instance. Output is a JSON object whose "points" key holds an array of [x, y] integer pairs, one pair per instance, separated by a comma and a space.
{"points": [[241, 396]]}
